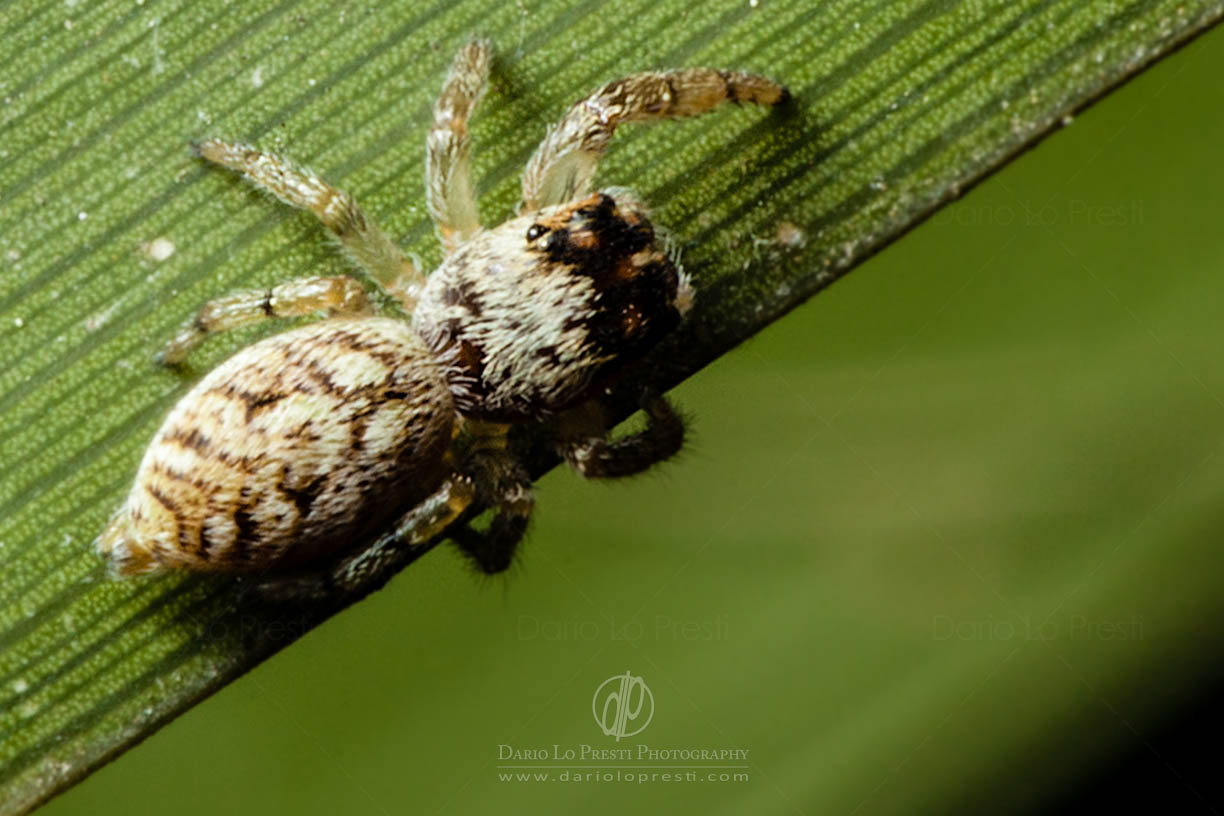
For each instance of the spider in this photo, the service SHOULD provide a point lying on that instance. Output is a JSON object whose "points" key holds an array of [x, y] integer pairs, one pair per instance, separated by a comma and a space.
{"points": [[283, 457]]}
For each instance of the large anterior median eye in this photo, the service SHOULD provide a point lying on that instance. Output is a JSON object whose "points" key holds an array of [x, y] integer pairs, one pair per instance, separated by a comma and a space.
{"points": [[535, 231]]}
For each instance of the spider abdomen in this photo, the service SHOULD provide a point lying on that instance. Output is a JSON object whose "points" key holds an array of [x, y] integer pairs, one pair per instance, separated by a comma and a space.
{"points": [[295, 447]]}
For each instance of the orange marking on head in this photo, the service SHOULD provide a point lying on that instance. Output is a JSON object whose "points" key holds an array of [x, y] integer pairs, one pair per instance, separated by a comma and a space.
{"points": [[626, 269]]}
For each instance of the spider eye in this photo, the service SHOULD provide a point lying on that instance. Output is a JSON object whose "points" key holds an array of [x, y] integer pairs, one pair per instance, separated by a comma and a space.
{"points": [[535, 231]]}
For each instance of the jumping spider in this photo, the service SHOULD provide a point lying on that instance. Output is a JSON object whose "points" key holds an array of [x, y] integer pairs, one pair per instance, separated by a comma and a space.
{"points": [[306, 442]]}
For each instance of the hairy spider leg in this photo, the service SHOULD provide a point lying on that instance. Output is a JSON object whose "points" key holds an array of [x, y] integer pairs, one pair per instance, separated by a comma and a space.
{"points": [[563, 165], [448, 183], [362, 241], [339, 295]]}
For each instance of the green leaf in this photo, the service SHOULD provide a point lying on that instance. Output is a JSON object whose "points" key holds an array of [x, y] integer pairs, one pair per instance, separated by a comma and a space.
{"points": [[899, 107]]}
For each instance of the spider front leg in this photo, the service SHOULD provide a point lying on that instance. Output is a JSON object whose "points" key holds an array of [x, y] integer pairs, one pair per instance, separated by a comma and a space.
{"points": [[365, 244], [584, 441], [336, 295], [448, 183], [563, 165]]}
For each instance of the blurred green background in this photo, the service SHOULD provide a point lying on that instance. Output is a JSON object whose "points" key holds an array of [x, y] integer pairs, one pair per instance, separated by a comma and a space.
{"points": [[944, 538]]}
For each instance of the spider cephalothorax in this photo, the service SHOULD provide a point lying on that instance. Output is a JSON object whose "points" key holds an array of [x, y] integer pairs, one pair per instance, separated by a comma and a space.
{"points": [[291, 455], [528, 315]]}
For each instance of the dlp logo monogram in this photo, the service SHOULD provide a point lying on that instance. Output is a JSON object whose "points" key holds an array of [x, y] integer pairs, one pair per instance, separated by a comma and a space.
{"points": [[619, 702]]}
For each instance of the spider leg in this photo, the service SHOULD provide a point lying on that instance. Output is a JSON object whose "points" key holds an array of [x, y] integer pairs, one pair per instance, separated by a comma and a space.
{"points": [[500, 482], [585, 445], [563, 165], [368, 569], [448, 183], [364, 243], [503, 483], [489, 475], [336, 295]]}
